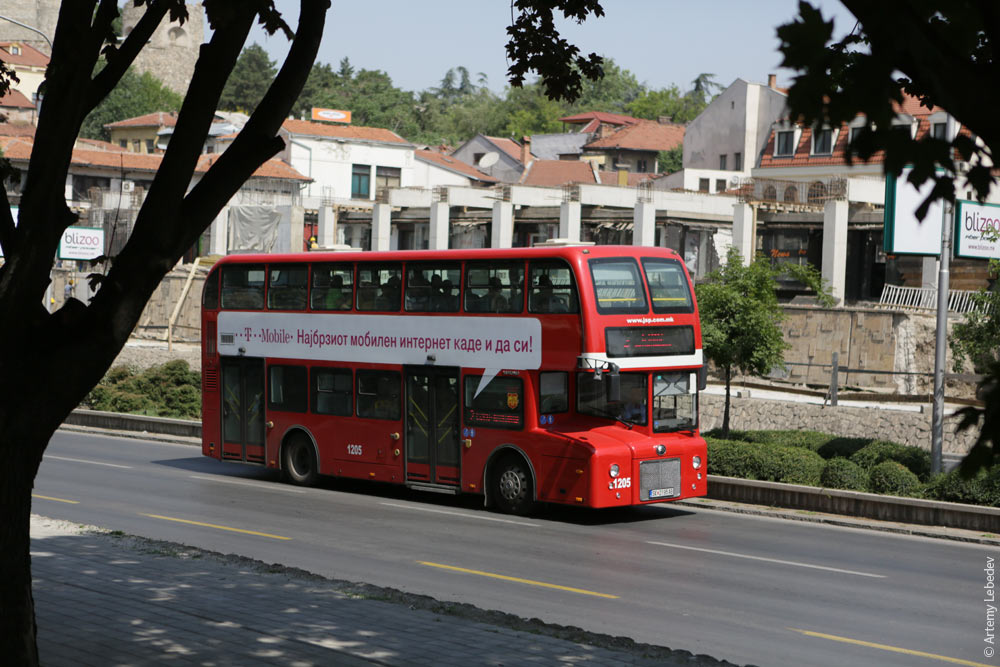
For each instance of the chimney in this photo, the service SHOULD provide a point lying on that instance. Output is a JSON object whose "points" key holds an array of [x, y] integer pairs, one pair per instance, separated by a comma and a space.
{"points": [[772, 81], [665, 120], [525, 150]]}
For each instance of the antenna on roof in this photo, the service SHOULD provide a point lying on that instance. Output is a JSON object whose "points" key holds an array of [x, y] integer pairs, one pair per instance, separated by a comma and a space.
{"points": [[488, 160]]}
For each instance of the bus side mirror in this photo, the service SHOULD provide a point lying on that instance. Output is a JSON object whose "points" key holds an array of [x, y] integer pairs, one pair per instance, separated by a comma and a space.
{"points": [[702, 378], [613, 387]]}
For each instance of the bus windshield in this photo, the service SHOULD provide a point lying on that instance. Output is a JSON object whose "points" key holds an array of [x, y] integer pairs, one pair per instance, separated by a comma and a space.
{"points": [[673, 405], [668, 287], [617, 285], [632, 407]]}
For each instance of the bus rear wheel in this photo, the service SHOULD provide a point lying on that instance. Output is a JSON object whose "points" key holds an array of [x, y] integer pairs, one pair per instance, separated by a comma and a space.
{"points": [[512, 488], [299, 461]]}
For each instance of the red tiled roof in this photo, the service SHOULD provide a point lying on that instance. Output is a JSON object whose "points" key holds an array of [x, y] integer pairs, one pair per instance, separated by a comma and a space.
{"points": [[273, 168], [452, 164], [601, 117], [100, 145], [646, 135], [359, 132], [17, 130], [557, 172], [508, 146], [19, 148], [16, 99], [29, 56], [155, 119]]}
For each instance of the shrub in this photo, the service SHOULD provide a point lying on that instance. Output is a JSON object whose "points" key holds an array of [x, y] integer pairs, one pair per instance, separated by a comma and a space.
{"points": [[773, 463], [170, 390], [840, 473], [983, 489], [892, 478], [915, 459], [842, 447]]}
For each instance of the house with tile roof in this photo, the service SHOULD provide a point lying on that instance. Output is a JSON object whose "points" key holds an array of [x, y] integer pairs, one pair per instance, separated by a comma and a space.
{"points": [[28, 64], [509, 163], [348, 164], [433, 169], [635, 146], [143, 134]]}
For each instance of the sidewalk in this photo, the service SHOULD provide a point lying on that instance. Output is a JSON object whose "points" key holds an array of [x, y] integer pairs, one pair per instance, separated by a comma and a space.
{"points": [[106, 599]]}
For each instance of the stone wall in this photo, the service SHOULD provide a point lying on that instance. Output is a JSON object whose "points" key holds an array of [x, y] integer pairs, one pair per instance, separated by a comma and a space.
{"points": [[904, 427]]}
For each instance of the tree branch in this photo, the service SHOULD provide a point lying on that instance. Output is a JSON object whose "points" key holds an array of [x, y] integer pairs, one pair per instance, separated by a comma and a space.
{"points": [[125, 55]]}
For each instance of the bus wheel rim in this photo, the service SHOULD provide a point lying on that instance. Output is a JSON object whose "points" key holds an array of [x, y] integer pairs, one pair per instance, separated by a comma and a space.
{"points": [[511, 487]]}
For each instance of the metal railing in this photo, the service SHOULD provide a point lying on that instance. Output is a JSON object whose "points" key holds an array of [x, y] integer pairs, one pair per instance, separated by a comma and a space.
{"points": [[925, 298]]}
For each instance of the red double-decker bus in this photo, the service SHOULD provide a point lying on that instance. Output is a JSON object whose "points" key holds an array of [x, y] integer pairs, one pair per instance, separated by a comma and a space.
{"points": [[564, 374]]}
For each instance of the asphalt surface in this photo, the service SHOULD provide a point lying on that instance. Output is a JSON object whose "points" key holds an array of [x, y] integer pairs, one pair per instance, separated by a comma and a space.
{"points": [[742, 588]]}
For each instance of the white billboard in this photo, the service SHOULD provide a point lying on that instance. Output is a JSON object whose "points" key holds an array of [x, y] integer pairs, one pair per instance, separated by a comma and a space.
{"points": [[81, 243], [904, 234], [977, 230], [491, 343]]}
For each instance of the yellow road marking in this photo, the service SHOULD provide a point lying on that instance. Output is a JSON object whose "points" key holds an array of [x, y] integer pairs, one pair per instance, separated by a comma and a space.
{"points": [[894, 649], [212, 525], [518, 580], [58, 500]]}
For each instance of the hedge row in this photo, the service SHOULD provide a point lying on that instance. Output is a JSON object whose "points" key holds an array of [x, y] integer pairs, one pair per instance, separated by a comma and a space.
{"points": [[169, 390], [859, 464]]}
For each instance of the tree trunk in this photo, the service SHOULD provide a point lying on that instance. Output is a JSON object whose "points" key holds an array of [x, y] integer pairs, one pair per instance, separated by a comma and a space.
{"points": [[18, 633], [725, 413]]}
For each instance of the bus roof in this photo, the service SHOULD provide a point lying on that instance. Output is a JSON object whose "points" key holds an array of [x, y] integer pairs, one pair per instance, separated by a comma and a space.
{"points": [[569, 253]]}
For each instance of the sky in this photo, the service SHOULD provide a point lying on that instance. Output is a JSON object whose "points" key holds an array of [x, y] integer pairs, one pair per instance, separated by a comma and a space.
{"points": [[662, 42]]}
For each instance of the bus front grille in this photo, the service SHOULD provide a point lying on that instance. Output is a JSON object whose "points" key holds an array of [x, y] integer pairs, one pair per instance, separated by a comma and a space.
{"points": [[659, 479]]}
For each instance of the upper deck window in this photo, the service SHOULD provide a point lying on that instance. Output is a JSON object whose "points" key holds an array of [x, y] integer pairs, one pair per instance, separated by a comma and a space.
{"points": [[552, 288], [287, 286], [617, 286], [332, 286], [243, 286], [210, 297], [494, 287], [432, 287], [668, 286], [380, 287]]}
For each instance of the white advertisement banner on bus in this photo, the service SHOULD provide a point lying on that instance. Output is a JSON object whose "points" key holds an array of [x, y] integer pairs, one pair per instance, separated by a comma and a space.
{"points": [[492, 343]]}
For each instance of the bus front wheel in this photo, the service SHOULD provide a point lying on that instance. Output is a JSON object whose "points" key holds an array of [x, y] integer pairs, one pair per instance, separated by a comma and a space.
{"points": [[512, 488], [299, 461]]}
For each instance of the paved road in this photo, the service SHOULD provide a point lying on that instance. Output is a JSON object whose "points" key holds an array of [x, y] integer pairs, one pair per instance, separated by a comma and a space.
{"points": [[746, 589]]}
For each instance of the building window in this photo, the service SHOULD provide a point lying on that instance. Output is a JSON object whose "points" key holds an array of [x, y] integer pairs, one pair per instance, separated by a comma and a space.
{"points": [[786, 143], [939, 130], [641, 166], [15, 50], [386, 177], [150, 145], [816, 193], [722, 162], [791, 194], [720, 185], [123, 143], [703, 185], [738, 161], [822, 141], [361, 175], [136, 146], [855, 131]]}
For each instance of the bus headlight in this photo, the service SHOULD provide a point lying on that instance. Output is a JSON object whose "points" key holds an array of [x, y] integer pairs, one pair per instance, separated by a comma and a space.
{"points": [[614, 470], [661, 449], [696, 462]]}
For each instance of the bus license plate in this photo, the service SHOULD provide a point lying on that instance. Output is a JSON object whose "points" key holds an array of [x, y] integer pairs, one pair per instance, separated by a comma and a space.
{"points": [[661, 493]]}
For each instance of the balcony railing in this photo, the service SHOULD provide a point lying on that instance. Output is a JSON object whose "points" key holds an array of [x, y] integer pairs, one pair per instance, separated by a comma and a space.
{"points": [[925, 298]]}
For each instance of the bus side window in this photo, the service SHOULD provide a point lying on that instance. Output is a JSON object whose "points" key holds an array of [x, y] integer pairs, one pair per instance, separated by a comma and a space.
{"points": [[553, 392], [210, 297], [552, 289], [287, 388], [380, 287], [332, 390], [499, 405], [286, 287], [243, 287], [332, 287], [378, 395]]}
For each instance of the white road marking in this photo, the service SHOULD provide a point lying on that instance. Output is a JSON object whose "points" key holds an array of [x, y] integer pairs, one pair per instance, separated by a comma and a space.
{"points": [[93, 463], [463, 515], [257, 485], [770, 560]]}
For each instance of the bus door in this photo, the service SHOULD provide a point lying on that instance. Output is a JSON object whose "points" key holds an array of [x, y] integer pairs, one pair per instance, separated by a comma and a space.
{"points": [[243, 409], [432, 424]]}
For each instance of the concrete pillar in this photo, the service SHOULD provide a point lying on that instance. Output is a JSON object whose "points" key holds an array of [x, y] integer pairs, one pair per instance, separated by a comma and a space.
{"points": [[439, 226], [503, 225], [297, 218], [381, 226], [326, 234], [743, 231], [835, 248], [219, 242], [929, 273], [644, 224], [569, 220]]}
